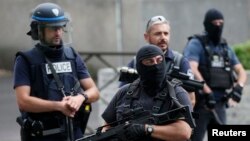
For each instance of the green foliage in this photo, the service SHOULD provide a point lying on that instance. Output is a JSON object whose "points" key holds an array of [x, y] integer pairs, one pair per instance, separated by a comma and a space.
{"points": [[242, 50]]}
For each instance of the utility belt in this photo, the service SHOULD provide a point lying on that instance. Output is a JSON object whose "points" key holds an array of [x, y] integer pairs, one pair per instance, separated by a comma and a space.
{"points": [[39, 128]]}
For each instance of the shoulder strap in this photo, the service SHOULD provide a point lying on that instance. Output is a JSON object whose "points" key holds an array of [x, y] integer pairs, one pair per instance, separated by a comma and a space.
{"points": [[171, 86], [204, 41], [161, 97], [29, 56], [202, 38], [132, 93], [134, 61], [159, 100], [20, 53], [177, 58], [69, 52]]}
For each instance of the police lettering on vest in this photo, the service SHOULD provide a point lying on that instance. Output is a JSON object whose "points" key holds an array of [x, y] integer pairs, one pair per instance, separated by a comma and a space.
{"points": [[60, 67], [45, 86]]}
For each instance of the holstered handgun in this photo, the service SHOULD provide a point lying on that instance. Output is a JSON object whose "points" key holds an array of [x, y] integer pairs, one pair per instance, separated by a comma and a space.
{"points": [[25, 128]]}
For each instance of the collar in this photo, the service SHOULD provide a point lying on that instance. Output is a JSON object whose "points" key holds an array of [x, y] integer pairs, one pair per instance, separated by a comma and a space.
{"points": [[169, 55]]}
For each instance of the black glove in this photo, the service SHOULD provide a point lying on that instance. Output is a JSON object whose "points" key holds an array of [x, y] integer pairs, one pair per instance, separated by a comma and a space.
{"points": [[135, 131], [236, 93], [210, 100]]}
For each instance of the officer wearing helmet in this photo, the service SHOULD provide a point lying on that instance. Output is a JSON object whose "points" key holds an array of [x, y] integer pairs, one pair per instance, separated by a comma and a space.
{"points": [[52, 84], [46, 15]]}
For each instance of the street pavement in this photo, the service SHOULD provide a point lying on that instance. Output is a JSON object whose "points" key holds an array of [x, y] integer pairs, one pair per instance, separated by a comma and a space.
{"points": [[9, 129]]}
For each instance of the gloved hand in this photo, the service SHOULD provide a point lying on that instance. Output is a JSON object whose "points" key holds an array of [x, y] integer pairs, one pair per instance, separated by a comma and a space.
{"points": [[236, 93], [210, 101], [135, 131]]}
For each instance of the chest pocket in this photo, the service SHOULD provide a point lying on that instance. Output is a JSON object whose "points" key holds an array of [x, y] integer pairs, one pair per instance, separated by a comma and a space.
{"points": [[220, 71]]}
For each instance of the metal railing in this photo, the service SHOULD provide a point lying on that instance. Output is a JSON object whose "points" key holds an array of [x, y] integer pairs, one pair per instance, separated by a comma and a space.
{"points": [[87, 56], [99, 55]]}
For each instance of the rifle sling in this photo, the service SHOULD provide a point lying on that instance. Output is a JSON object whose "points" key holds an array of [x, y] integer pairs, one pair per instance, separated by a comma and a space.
{"points": [[69, 122]]}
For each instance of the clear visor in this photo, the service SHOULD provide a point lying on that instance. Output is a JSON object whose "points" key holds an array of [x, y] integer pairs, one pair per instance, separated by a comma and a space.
{"points": [[56, 33]]}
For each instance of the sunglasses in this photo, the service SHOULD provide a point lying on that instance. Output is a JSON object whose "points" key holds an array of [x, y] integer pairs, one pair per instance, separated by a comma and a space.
{"points": [[155, 20]]}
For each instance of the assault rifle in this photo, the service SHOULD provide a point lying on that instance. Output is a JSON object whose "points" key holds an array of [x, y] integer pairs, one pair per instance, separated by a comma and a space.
{"points": [[117, 129], [129, 75], [187, 83]]}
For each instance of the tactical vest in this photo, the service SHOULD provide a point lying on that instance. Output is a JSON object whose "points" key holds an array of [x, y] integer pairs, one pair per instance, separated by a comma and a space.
{"points": [[164, 101], [43, 84], [217, 72], [166, 97]]}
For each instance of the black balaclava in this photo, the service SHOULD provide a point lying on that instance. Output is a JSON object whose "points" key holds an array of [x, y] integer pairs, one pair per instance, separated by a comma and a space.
{"points": [[151, 76], [214, 32]]}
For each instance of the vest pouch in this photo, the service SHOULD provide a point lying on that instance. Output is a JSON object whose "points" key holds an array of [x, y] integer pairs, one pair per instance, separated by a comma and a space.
{"points": [[82, 116], [53, 91], [220, 78]]}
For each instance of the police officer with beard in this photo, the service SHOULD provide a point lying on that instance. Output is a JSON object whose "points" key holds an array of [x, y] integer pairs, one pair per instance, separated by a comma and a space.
{"points": [[51, 100], [152, 81], [158, 32], [213, 61]]}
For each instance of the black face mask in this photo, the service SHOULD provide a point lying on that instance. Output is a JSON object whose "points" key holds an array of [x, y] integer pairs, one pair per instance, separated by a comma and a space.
{"points": [[214, 32], [151, 76]]}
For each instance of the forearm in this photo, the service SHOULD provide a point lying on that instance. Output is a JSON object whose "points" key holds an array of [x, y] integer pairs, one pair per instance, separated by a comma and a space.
{"points": [[90, 89], [93, 94], [177, 131], [198, 76], [192, 98], [242, 78], [106, 127], [37, 105], [29, 103]]}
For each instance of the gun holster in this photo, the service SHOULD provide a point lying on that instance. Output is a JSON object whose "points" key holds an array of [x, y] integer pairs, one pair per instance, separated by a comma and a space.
{"points": [[30, 127], [25, 128], [83, 116]]}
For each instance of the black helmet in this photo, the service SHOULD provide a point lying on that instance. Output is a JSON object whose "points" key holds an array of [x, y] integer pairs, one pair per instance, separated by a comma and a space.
{"points": [[44, 15]]}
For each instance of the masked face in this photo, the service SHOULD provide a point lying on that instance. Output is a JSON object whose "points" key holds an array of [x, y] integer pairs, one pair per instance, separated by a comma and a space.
{"points": [[213, 24], [151, 66], [214, 30]]}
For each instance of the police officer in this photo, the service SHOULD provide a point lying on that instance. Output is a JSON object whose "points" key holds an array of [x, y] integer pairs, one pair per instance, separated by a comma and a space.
{"points": [[213, 61], [151, 67], [158, 33], [51, 82]]}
